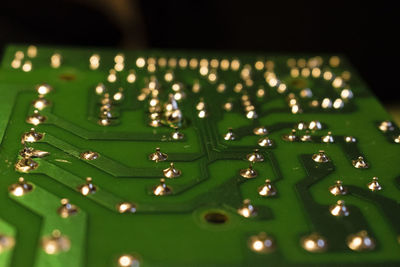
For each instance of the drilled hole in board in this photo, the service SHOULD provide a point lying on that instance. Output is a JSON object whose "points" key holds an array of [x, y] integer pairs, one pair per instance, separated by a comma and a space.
{"points": [[216, 217], [67, 77]]}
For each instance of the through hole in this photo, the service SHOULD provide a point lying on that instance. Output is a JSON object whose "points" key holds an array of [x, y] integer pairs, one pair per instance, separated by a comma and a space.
{"points": [[216, 217], [67, 77]]}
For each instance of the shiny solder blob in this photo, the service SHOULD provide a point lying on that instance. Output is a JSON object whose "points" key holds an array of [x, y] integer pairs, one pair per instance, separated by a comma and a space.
{"points": [[162, 189], [55, 243], [360, 241], [247, 209], [158, 155], [20, 188], [171, 171], [262, 243], [314, 243]]}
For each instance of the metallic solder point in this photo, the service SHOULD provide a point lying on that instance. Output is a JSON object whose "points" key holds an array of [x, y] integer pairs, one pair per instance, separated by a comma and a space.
{"points": [[267, 190], [247, 209], [172, 113], [350, 139], [104, 121], [162, 189], [158, 155], [202, 114], [20, 188], [374, 185], [43, 89], [256, 156], [30, 152], [260, 130], [265, 142], [87, 188], [386, 126], [126, 207], [396, 139], [31, 136], [229, 136], [262, 243], [171, 171], [155, 123], [301, 126], [201, 105], [106, 100], [100, 89], [360, 241], [67, 209], [320, 157], [55, 60], [155, 105], [306, 137], [128, 260], [89, 155], [55, 243], [6, 242], [314, 243], [94, 61], [119, 96], [36, 118], [251, 114], [40, 103], [177, 135], [360, 163], [314, 126], [106, 113], [338, 189], [227, 106], [26, 164], [339, 209], [328, 138], [155, 116], [291, 137], [248, 173]]}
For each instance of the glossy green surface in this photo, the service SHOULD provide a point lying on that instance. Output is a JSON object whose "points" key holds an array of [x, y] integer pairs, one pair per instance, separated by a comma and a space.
{"points": [[172, 230]]}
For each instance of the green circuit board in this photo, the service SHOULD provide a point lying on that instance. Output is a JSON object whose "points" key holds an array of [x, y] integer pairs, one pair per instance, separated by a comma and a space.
{"points": [[175, 158]]}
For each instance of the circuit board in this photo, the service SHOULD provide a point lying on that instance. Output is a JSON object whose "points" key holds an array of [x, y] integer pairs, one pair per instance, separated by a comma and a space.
{"points": [[175, 158]]}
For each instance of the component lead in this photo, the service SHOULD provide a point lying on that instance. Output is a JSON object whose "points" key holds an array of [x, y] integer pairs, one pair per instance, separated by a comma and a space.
{"points": [[67, 209], [338, 189], [158, 156], [248, 173], [360, 163], [230, 136], [339, 209], [262, 243], [247, 209], [88, 187], [267, 190], [20, 188], [360, 241], [55, 243], [314, 243], [374, 185], [162, 189], [255, 156], [171, 171], [320, 157]]}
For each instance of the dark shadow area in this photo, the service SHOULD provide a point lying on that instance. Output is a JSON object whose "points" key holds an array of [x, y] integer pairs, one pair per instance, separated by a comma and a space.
{"points": [[365, 33]]}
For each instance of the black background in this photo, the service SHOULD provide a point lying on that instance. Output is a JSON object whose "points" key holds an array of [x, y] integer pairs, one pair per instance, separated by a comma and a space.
{"points": [[366, 33]]}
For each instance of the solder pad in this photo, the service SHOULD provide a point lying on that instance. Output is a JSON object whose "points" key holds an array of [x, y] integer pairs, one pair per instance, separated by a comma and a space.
{"points": [[250, 148]]}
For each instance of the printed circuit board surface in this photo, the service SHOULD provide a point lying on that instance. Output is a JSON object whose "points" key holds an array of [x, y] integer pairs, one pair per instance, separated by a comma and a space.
{"points": [[174, 158]]}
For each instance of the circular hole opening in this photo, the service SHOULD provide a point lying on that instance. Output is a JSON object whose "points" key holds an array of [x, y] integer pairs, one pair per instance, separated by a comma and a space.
{"points": [[67, 77], [216, 217]]}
